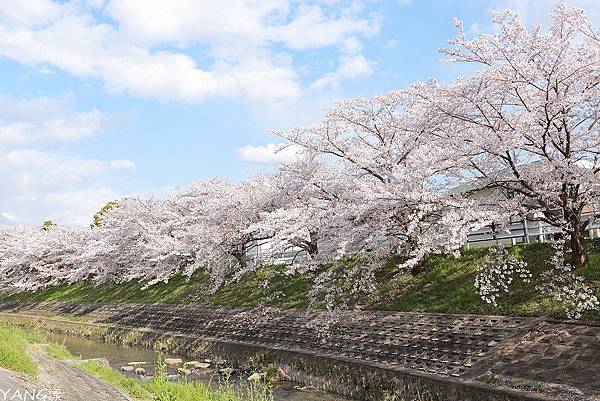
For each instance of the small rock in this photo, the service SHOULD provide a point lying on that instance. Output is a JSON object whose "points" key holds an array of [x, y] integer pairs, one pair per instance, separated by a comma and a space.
{"points": [[173, 361], [140, 371], [280, 376], [191, 363], [184, 372], [227, 371], [136, 363], [127, 368], [208, 360], [201, 365], [256, 377], [101, 361]]}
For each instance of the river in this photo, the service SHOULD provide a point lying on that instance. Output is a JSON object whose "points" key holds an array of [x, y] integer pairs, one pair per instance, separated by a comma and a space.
{"points": [[119, 356]]}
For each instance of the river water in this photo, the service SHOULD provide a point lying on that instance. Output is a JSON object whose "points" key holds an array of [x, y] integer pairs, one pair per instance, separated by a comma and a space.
{"points": [[119, 356]]}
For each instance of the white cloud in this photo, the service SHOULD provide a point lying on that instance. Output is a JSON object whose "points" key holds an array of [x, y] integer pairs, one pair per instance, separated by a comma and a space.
{"points": [[312, 29], [25, 168], [126, 165], [67, 206], [169, 50], [350, 66], [31, 12], [76, 206], [45, 118], [269, 153], [355, 66], [391, 44], [239, 41], [7, 217], [38, 183]]}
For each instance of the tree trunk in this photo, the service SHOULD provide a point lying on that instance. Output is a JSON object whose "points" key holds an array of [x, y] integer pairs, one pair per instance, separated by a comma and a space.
{"points": [[240, 256], [579, 255], [312, 246], [419, 267]]}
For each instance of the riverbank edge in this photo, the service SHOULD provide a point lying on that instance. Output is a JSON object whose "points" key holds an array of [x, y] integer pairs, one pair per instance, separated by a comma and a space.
{"points": [[53, 378], [360, 380]]}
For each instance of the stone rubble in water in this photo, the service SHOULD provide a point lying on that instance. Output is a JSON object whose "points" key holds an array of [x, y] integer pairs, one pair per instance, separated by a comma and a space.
{"points": [[140, 371], [281, 376], [127, 368], [256, 377], [227, 371], [197, 365], [100, 361], [173, 361]]}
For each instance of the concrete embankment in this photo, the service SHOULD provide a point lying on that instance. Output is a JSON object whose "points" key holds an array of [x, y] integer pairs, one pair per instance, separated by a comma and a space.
{"points": [[357, 354]]}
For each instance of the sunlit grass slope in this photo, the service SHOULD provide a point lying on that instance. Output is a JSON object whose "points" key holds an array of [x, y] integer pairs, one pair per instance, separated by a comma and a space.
{"points": [[13, 349], [446, 286]]}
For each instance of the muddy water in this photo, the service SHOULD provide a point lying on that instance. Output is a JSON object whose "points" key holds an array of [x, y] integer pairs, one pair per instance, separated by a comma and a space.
{"points": [[119, 356]]}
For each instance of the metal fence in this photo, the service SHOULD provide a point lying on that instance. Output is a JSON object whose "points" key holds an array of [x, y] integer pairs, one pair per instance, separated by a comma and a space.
{"points": [[525, 231], [517, 232]]}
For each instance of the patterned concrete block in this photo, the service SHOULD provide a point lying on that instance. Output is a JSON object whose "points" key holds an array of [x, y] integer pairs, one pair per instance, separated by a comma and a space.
{"points": [[454, 346]]}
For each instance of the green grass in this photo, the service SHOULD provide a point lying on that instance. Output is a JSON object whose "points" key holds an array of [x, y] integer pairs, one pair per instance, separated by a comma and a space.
{"points": [[446, 286], [131, 386], [13, 349], [59, 351]]}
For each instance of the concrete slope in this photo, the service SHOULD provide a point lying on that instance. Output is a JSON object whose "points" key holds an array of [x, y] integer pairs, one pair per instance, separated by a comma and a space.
{"points": [[463, 357]]}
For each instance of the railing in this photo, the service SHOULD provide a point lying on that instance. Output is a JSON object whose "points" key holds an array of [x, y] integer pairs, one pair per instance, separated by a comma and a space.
{"points": [[526, 231]]}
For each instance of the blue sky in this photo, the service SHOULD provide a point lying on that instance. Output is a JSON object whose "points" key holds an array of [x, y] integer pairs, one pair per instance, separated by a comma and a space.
{"points": [[101, 99]]}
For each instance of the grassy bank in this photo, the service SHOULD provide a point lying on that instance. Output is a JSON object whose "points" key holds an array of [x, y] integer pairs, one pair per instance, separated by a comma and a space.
{"points": [[13, 349], [446, 286]]}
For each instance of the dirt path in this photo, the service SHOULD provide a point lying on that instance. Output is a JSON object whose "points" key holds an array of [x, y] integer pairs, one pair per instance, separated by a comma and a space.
{"points": [[18, 386], [72, 383]]}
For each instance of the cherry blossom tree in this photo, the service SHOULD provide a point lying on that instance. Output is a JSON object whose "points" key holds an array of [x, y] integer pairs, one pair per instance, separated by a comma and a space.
{"points": [[138, 239], [527, 121], [526, 125], [308, 192], [215, 217], [34, 258], [394, 169]]}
